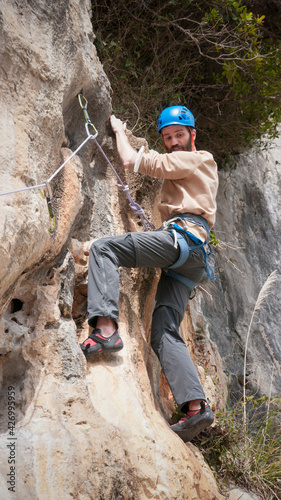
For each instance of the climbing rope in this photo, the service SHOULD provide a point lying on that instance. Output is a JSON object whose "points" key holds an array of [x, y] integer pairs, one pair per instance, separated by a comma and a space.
{"points": [[45, 185], [47, 182], [133, 205]]}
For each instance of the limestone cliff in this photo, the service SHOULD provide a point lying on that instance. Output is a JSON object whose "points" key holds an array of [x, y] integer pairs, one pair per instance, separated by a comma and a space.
{"points": [[96, 431]]}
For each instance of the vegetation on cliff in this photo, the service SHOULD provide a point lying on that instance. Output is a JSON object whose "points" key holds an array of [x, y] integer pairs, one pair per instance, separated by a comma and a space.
{"points": [[245, 444], [219, 57], [249, 456]]}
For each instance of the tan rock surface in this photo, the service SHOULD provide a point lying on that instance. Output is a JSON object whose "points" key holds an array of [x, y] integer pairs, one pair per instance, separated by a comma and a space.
{"points": [[83, 431]]}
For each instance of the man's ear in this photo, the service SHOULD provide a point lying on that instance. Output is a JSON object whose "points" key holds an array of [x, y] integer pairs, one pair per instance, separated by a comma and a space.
{"points": [[193, 137]]}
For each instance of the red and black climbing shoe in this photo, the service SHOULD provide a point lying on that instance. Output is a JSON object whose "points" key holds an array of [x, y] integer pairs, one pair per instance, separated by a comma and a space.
{"points": [[194, 422], [96, 343]]}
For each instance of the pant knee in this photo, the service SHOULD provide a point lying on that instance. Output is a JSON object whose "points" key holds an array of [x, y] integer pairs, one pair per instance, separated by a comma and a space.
{"points": [[99, 244]]}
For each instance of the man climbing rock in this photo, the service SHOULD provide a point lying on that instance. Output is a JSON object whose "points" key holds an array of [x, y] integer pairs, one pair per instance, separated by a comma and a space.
{"points": [[187, 208]]}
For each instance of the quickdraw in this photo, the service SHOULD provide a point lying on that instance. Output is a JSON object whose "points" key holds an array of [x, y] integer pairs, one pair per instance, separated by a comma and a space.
{"points": [[45, 185], [133, 205], [48, 198]]}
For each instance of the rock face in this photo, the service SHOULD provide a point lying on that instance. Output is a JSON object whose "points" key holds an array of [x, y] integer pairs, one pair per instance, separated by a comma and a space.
{"points": [[248, 230], [46, 59], [83, 431]]}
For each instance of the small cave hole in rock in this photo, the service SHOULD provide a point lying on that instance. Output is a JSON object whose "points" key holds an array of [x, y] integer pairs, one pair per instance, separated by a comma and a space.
{"points": [[15, 305]]}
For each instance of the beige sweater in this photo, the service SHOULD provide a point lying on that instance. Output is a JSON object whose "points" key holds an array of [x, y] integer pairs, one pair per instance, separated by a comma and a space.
{"points": [[190, 184]]}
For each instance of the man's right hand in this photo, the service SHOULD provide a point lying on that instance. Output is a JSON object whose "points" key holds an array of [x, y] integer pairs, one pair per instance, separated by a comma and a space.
{"points": [[125, 150], [117, 125]]}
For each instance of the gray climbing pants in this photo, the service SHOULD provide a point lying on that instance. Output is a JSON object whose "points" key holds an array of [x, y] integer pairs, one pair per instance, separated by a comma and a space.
{"points": [[155, 250]]}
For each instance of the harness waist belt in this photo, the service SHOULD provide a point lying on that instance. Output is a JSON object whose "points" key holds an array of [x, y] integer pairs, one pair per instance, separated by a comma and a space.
{"points": [[185, 247], [198, 220]]}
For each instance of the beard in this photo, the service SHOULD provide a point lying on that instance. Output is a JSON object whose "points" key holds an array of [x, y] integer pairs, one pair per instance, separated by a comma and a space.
{"points": [[183, 147]]}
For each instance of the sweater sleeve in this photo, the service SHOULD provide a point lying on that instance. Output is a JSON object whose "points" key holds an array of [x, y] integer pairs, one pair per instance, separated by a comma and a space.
{"points": [[176, 165]]}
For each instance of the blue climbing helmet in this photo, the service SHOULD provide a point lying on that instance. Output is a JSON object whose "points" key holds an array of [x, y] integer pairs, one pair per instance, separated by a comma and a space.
{"points": [[175, 115]]}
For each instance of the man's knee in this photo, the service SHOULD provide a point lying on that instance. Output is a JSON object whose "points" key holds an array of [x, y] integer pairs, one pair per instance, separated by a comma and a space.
{"points": [[99, 243], [100, 246]]}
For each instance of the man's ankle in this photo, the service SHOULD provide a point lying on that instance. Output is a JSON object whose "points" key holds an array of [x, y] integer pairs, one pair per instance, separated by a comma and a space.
{"points": [[106, 325], [195, 404]]}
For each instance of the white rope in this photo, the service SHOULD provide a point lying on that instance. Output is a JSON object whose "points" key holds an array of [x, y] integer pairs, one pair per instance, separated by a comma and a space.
{"points": [[71, 156], [45, 183], [38, 186], [134, 206]]}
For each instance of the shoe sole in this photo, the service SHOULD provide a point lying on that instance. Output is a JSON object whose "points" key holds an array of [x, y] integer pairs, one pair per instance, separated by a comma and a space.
{"points": [[93, 350], [192, 431]]}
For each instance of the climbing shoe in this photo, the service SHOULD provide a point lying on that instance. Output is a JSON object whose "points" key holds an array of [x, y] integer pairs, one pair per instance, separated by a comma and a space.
{"points": [[194, 422], [96, 343]]}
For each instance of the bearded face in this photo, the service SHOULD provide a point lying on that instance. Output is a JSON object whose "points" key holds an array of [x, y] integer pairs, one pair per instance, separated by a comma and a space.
{"points": [[178, 138]]}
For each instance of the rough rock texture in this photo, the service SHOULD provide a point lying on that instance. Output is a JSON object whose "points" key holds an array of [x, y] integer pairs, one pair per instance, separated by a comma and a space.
{"points": [[248, 229], [46, 58], [95, 431], [238, 494]]}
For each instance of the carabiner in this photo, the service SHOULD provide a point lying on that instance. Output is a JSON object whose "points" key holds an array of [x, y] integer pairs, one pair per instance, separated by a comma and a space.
{"points": [[89, 123], [87, 118], [80, 97], [52, 218], [84, 107]]}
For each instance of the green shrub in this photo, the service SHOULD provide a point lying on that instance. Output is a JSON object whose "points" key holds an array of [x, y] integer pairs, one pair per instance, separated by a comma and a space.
{"points": [[218, 57]]}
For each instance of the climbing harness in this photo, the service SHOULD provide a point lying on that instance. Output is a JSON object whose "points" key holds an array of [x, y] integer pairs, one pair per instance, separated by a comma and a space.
{"points": [[180, 241], [45, 185], [133, 205]]}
